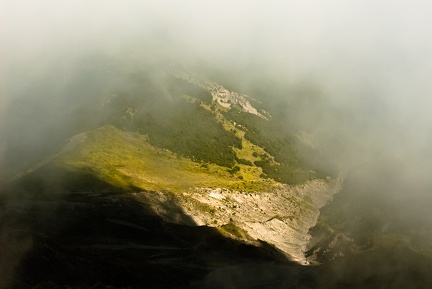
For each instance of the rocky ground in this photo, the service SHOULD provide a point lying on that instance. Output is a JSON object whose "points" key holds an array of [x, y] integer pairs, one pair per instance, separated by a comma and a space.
{"points": [[281, 217], [203, 238], [108, 239]]}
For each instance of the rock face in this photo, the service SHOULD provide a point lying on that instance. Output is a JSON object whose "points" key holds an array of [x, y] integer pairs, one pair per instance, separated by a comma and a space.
{"points": [[222, 95], [281, 217]]}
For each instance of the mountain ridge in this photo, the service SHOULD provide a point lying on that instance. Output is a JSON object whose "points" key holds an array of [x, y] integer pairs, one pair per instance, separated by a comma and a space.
{"points": [[175, 152], [193, 142]]}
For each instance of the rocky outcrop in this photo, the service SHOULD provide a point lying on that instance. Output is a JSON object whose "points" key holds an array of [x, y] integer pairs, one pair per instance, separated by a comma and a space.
{"points": [[281, 217], [327, 244], [220, 94]]}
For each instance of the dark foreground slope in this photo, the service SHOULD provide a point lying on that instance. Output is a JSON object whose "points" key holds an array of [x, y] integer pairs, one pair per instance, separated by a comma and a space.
{"points": [[72, 229], [103, 238], [70, 216]]}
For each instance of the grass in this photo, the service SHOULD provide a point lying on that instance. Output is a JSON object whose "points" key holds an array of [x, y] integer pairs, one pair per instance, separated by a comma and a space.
{"points": [[126, 159], [185, 140], [230, 229], [184, 119], [274, 145]]}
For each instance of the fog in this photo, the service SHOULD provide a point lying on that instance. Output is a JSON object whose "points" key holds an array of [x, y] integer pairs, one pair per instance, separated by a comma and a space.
{"points": [[369, 60], [359, 70], [363, 67]]}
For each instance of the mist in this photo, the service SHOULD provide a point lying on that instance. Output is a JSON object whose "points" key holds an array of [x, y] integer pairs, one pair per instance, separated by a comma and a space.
{"points": [[369, 60], [363, 67], [359, 71]]}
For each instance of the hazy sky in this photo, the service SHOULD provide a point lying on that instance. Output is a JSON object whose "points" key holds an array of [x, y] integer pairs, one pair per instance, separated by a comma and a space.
{"points": [[370, 58]]}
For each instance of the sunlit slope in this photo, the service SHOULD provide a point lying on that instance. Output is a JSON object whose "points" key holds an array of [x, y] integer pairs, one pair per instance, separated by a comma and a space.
{"points": [[194, 118], [126, 159], [202, 147], [208, 124], [238, 199], [159, 132]]}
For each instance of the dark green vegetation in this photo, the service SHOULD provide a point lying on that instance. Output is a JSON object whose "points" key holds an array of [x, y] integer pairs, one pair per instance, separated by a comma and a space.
{"points": [[188, 130], [73, 219], [170, 112], [69, 213], [173, 114], [281, 162]]}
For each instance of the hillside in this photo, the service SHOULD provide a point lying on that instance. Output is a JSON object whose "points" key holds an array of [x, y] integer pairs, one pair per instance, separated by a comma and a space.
{"points": [[177, 151], [158, 176]]}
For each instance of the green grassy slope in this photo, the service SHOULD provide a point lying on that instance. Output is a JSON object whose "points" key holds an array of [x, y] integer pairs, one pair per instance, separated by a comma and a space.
{"points": [[159, 132], [127, 159], [182, 118]]}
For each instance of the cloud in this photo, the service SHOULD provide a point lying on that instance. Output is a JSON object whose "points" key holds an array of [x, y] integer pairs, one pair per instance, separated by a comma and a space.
{"points": [[370, 59], [360, 68]]}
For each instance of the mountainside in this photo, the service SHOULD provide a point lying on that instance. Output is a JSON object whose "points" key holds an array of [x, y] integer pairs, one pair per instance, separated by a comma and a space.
{"points": [[215, 145], [185, 150], [166, 172]]}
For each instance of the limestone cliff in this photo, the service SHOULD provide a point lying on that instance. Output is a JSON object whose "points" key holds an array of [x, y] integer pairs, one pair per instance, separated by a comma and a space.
{"points": [[280, 216]]}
